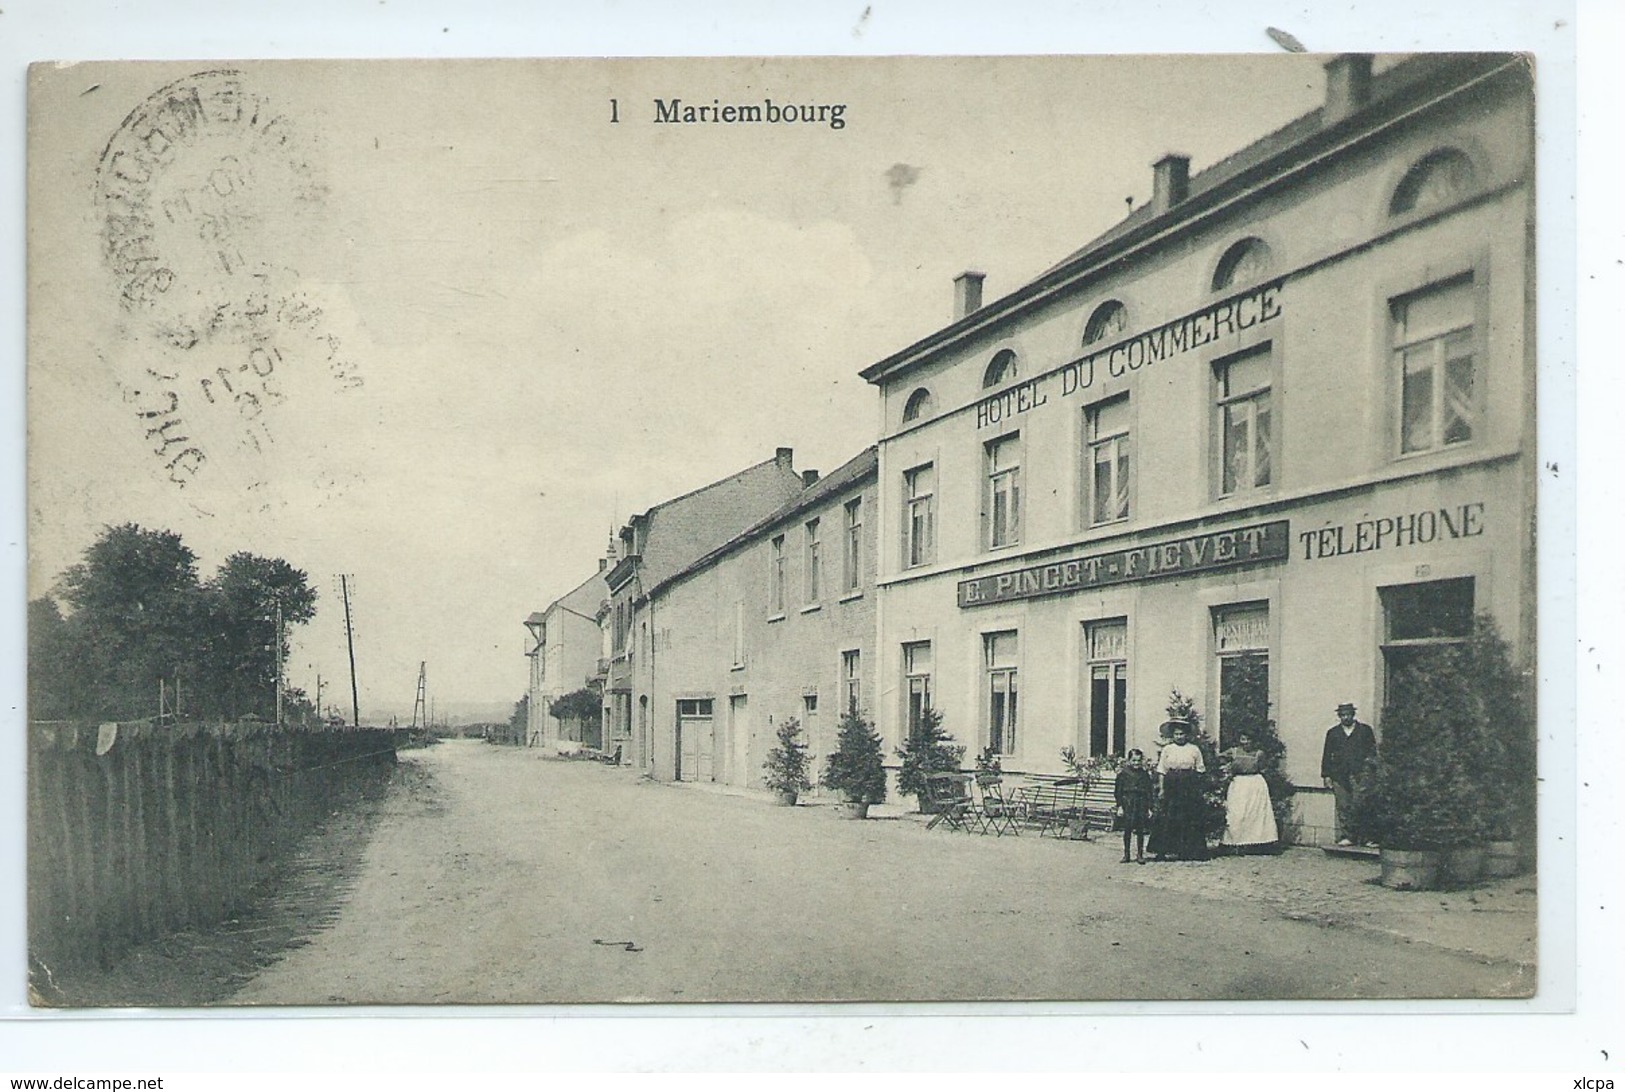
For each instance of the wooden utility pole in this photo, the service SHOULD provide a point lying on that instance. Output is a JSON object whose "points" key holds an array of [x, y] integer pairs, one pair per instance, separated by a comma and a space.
{"points": [[349, 638], [279, 686]]}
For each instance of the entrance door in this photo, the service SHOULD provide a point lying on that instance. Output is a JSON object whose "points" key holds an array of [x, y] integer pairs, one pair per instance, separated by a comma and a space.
{"points": [[694, 740], [738, 760]]}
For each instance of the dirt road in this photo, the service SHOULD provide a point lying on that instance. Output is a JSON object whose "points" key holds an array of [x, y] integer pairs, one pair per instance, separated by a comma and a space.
{"points": [[496, 875]]}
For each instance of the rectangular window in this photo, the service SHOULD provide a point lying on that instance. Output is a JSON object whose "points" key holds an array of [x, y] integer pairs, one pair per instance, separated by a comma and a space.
{"points": [[1107, 461], [739, 633], [1106, 646], [1433, 351], [775, 589], [1241, 641], [1003, 501], [919, 516], [809, 726], [917, 681], [1244, 420], [850, 667], [852, 555], [813, 563], [999, 653], [1417, 617]]}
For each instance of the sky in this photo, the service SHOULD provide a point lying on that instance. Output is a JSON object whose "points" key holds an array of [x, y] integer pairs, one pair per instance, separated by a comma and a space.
{"points": [[505, 322]]}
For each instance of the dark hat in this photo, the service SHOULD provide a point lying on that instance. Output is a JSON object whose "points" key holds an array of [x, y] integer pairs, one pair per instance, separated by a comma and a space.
{"points": [[1175, 724], [1346, 705]]}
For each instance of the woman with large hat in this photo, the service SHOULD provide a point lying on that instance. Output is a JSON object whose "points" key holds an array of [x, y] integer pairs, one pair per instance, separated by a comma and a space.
{"points": [[1178, 831]]}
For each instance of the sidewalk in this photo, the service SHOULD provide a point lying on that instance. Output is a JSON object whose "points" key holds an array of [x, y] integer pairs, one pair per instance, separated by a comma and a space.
{"points": [[1494, 920]]}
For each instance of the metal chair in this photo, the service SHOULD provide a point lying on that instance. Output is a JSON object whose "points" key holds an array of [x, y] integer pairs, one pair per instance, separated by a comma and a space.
{"points": [[947, 794], [995, 812]]}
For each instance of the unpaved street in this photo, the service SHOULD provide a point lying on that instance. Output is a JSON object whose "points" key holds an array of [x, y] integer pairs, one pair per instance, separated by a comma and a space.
{"points": [[496, 875]]}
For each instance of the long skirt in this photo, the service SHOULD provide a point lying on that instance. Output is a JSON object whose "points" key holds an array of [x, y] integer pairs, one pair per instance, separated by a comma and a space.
{"points": [[1248, 818], [1177, 829]]}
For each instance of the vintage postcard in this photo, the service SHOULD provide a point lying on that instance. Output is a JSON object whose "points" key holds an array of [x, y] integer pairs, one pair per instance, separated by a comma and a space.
{"points": [[782, 530]]}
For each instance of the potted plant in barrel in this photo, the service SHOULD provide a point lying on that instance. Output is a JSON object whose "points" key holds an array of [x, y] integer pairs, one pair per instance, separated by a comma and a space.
{"points": [[1452, 728], [787, 765], [927, 750], [856, 768]]}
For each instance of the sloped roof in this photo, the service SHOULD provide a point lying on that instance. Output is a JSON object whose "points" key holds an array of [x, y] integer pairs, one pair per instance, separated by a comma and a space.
{"points": [[686, 528], [860, 467], [584, 598], [1392, 93]]}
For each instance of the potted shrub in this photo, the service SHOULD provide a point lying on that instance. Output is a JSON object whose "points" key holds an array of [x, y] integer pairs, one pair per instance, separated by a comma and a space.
{"points": [[1455, 747], [787, 765], [927, 750], [856, 769]]}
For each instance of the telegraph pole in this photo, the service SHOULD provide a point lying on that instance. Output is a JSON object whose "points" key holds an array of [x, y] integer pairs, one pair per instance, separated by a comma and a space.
{"points": [[349, 639], [279, 686]]}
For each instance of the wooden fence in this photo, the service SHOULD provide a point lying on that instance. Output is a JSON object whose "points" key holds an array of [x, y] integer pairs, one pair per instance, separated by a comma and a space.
{"points": [[138, 830]]}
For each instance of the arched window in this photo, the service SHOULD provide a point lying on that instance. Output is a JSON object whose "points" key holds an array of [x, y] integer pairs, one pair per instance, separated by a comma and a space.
{"points": [[1243, 263], [1440, 178], [918, 405], [1108, 320], [1001, 369]]}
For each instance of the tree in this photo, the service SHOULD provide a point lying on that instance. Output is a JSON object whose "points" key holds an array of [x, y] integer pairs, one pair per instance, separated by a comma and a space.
{"points": [[856, 768], [50, 661], [519, 720], [246, 649], [137, 616], [927, 750], [786, 764]]}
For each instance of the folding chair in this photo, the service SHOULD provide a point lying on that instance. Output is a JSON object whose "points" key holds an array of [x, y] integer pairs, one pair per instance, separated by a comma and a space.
{"points": [[946, 795], [995, 812]]}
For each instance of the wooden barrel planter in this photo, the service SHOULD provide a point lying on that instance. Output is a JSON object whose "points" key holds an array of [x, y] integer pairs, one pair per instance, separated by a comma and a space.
{"points": [[1410, 869], [785, 799], [849, 809]]}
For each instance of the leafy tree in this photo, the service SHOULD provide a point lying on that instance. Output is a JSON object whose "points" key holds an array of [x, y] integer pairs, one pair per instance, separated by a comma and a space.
{"points": [[519, 721], [244, 650], [51, 642], [138, 614], [581, 705], [138, 611], [927, 750]]}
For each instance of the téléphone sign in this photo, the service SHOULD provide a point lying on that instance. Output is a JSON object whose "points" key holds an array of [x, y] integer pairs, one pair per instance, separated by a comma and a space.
{"points": [[1176, 557]]}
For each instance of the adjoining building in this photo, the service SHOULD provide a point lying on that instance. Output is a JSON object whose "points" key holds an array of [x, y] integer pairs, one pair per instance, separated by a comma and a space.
{"points": [[564, 659], [1258, 442], [776, 623], [654, 547]]}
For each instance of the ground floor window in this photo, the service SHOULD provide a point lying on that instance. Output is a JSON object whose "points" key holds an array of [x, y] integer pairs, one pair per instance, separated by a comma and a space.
{"points": [[851, 667], [917, 681], [1420, 616], [1241, 641], [1000, 651], [1106, 662]]}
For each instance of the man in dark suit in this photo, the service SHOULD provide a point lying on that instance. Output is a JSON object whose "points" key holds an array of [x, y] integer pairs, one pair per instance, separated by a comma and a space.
{"points": [[1350, 744]]}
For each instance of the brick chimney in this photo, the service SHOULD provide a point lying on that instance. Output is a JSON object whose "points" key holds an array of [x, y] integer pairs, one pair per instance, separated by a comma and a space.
{"points": [[809, 477], [785, 457], [1348, 86], [968, 293], [1170, 182]]}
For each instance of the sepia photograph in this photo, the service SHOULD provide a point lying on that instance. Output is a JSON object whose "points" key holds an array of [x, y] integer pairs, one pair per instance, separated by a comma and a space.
{"points": [[783, 530]]}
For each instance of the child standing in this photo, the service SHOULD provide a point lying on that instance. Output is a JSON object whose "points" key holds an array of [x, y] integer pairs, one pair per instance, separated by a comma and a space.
{"points": [[1134, 803]]}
